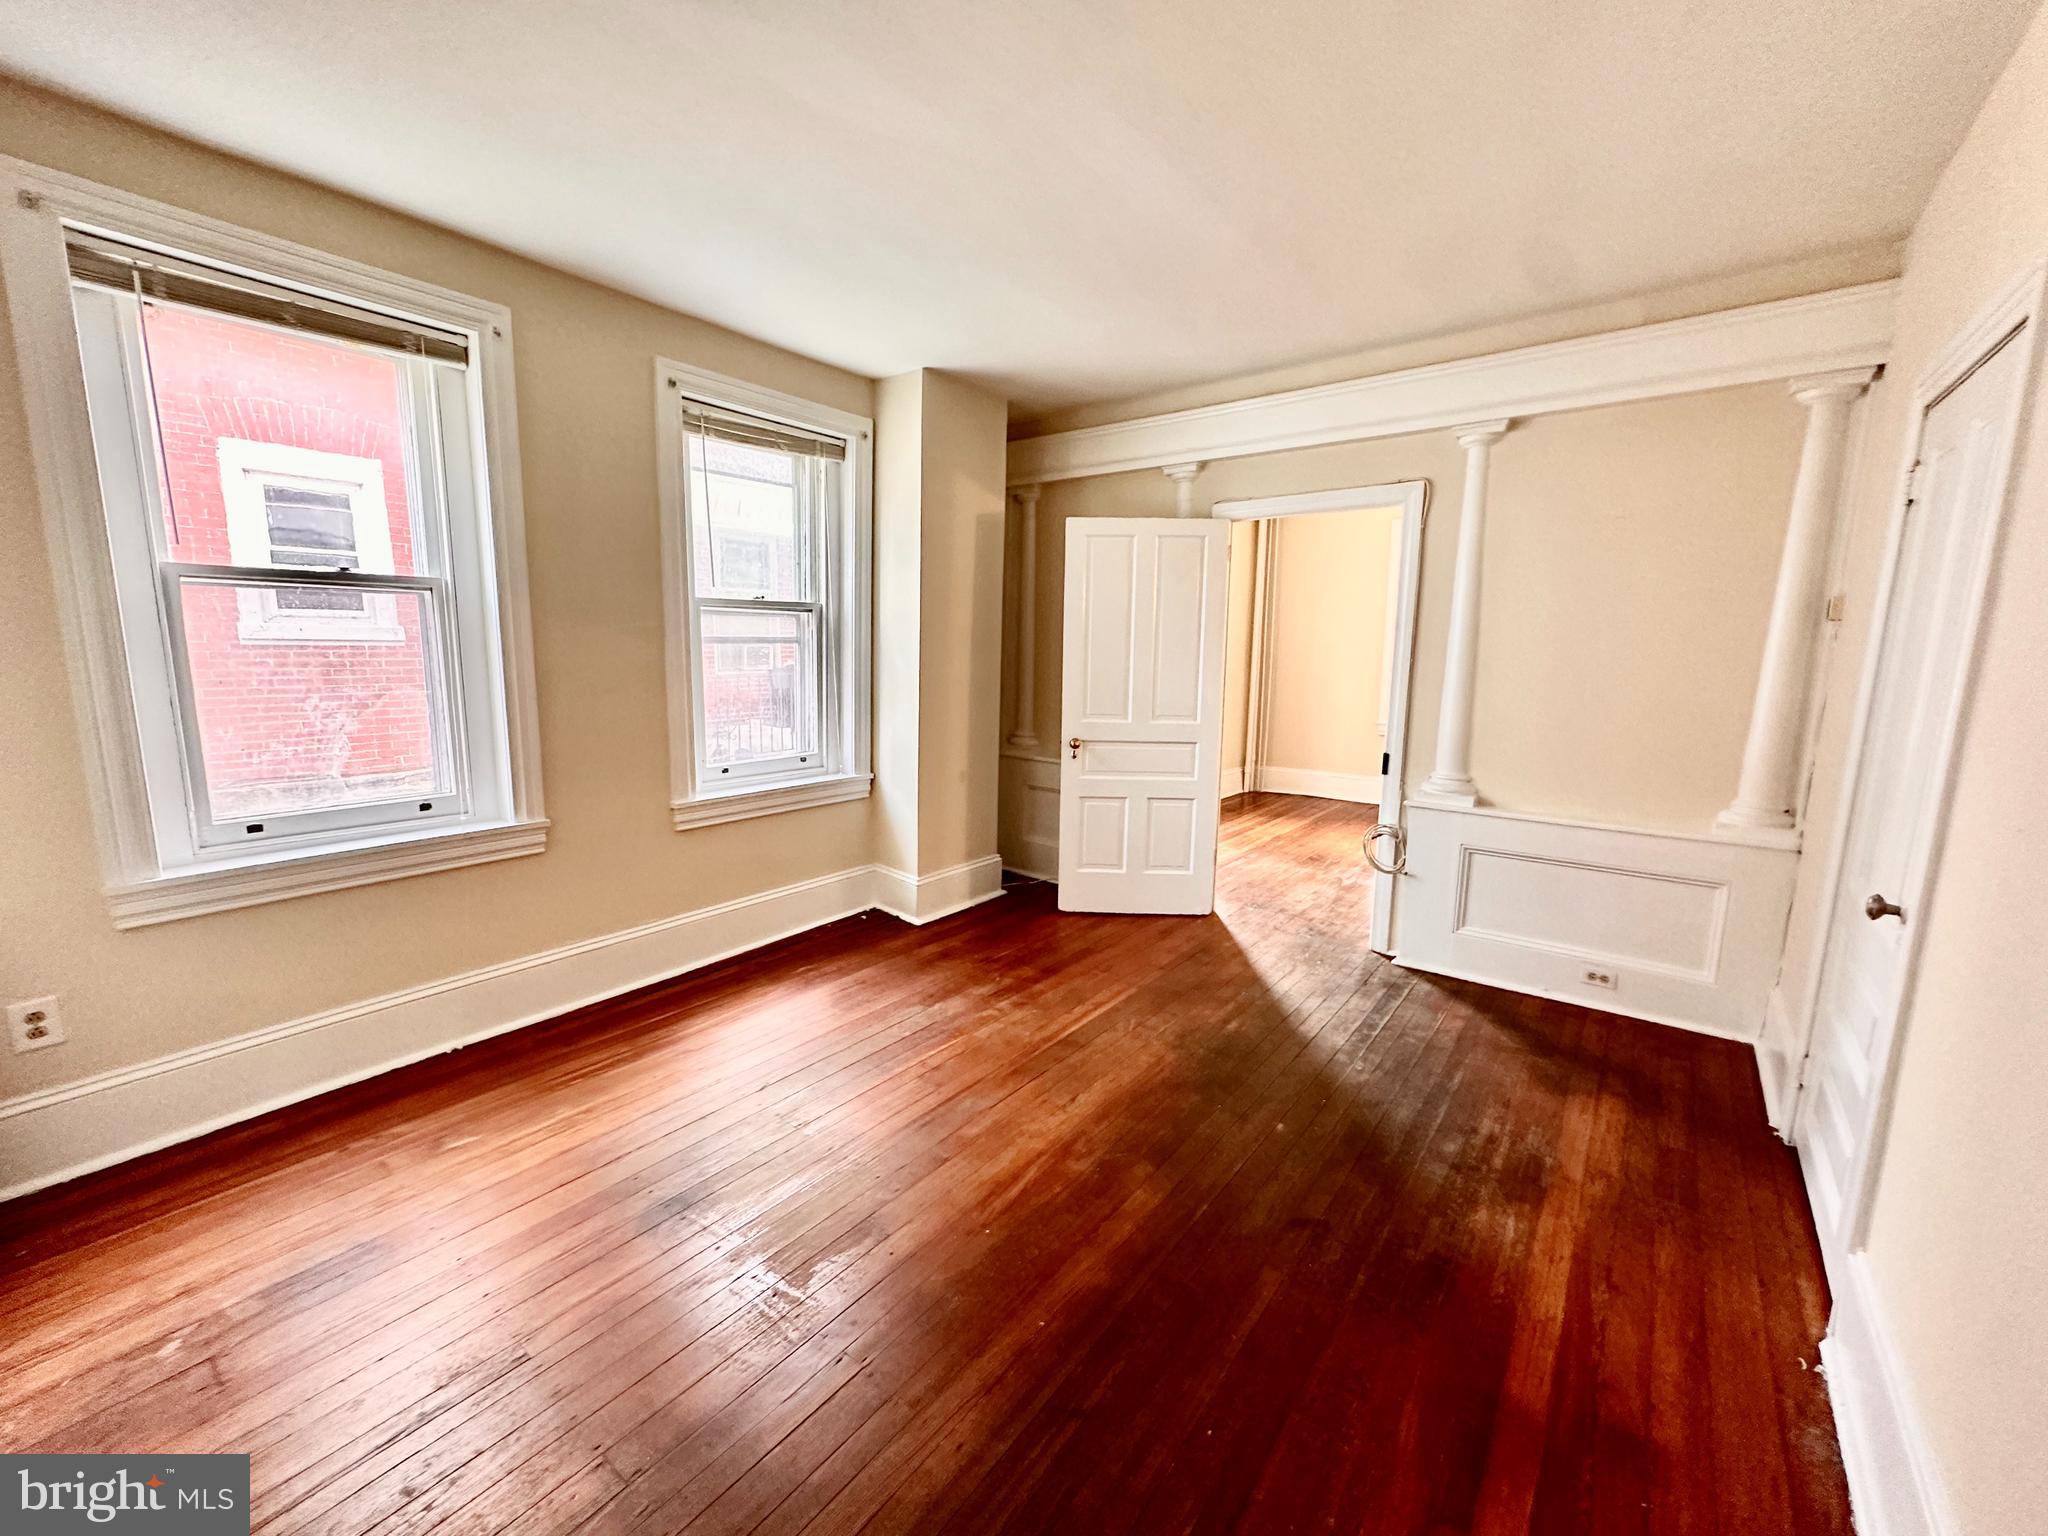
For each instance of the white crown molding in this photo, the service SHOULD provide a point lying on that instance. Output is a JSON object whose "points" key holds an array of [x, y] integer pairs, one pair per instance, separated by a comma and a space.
{"points": [[74, 1128], [1846, 328]]}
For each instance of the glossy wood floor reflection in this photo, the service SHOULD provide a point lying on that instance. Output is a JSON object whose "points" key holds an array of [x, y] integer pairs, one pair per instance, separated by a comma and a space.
{"points": [[1018, 1222]]}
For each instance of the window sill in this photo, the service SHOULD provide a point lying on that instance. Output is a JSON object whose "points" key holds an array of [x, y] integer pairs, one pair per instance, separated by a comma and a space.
{"points": [[740, 804], [279, 877]]}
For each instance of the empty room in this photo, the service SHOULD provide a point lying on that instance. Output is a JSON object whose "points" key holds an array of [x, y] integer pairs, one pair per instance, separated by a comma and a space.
{"points": [[807, 768]]}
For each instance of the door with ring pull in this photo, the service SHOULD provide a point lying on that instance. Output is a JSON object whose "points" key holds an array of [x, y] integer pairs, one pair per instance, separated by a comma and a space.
{"points": [[1141, 713]]}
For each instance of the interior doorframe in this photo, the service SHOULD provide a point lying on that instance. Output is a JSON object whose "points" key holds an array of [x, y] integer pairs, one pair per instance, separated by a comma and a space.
{"points": [[1410, 498], [2019, 306]]}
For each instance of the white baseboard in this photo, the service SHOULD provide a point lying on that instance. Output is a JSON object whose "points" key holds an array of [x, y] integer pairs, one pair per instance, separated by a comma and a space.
{"points": [[1358, 788], [1232, 782], [927, 898], [60, 1133], [1893, 1487]]}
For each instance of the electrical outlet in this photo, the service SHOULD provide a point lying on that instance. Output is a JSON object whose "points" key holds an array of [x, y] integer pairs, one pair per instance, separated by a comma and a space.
{"points": [[34, 1024], [1598, 979]]}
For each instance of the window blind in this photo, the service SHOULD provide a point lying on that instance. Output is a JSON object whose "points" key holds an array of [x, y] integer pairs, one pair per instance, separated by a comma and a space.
{"points": [[728, 426], [107, 263]]}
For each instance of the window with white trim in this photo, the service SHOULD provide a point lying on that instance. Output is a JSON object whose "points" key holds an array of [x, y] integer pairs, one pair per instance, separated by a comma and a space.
{"points": [[291, 506], [765, 505], [317, 668]]}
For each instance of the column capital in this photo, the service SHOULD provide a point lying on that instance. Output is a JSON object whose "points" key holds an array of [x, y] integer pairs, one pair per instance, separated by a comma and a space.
{"points": [[1183, 478], [1843, 383], [1027, 494], [1476, 433]]}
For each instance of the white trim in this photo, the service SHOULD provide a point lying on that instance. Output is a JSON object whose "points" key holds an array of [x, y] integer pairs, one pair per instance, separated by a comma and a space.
{"points": [[1259, 667], [1232, 783], [35, 206], [1358, 788], [927, 898], [846, 639], [743, 805], [1845, 328], [1894, 1489], [2024, 301], [60, 1133], [250, 882]]}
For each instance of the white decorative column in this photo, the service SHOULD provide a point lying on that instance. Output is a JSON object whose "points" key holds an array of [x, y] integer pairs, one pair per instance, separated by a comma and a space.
{"points": [[1183, 478], [1769, 786], [1451, 781], [1023, 726]]}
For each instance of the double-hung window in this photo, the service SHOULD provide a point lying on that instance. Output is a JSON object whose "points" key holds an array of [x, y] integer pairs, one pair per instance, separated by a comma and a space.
{"points": [[296, 589], [765, 505]]}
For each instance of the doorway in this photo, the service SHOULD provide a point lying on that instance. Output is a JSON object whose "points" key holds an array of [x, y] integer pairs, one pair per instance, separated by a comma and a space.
{"points": [[1318, 660]]}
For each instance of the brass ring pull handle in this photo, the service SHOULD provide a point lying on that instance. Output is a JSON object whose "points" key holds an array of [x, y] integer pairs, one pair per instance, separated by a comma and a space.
{"points": [[1400, 864], [1877, 907]]}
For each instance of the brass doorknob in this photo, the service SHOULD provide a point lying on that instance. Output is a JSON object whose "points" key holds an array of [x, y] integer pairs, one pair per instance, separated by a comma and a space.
{"points": [[1073, 746], [1877, 907]]}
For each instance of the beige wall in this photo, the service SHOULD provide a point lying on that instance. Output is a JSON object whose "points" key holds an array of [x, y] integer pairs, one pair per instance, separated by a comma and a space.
{"points": [[1959, 1233], [961, 630], [587, 453], [899, 547], [1327, 642], [1630, 557]]}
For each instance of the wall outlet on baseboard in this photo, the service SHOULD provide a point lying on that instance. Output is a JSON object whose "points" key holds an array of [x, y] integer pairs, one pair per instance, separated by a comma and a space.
{"points": [[34, 1024], [1593, 978]]}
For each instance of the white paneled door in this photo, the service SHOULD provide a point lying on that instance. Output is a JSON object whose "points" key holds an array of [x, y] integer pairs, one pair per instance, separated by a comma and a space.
{"points": [[1141, 713], [1945, 542]]}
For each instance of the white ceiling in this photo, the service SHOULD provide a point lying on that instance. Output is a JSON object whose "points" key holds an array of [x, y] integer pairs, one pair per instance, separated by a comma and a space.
{"points": [[1078, 201]]}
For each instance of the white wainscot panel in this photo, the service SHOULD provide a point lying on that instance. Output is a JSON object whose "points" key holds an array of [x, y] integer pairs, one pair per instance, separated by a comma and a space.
{"points": [[1028, 815], [1680, 929]]}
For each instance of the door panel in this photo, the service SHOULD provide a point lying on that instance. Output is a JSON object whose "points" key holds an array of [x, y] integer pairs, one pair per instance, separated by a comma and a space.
{"points": [[1142, 713], [1965, 440]]}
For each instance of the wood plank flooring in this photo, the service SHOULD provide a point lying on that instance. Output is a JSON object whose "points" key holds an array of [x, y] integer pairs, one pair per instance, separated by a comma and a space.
{"points": [[1019, 1222]]}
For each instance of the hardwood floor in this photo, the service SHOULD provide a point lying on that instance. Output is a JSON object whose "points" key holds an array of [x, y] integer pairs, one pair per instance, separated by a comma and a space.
{"points": [[1018, 1222]]}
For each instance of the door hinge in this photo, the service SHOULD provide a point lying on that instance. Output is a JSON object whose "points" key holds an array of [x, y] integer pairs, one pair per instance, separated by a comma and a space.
{"points": [[1834, 610], [1386, 764], [1912, 484]]}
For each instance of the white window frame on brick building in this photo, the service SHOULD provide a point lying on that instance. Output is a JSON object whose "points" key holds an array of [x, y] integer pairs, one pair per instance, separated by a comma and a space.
{"points": [[248, 471], [166, 855], [835, 674]]}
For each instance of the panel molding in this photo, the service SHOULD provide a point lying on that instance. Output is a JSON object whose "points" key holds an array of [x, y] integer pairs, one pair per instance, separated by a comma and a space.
{"points": [[1819, 333], [1028, 814], [75, 1128], [1739, 932]]}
